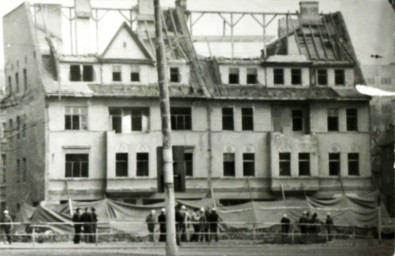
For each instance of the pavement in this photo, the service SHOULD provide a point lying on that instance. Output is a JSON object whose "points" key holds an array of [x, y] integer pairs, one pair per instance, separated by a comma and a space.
{"points": [[223, 248]]}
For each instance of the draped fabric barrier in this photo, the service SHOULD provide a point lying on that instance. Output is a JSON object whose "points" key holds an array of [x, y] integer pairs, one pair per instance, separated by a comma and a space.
{"points": [[346, 210]]}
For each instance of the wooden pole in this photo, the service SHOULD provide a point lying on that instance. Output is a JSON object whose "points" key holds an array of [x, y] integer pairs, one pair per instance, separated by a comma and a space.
{"points": [[379, 229], [171, 247]]}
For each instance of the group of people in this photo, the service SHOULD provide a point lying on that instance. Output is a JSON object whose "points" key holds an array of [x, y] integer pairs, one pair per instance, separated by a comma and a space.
{"points": [[307, 224], [203, 221], [86, 222]]}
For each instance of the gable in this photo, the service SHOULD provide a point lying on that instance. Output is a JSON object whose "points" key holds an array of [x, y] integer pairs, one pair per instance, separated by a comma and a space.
{"points": [[125, 45]]}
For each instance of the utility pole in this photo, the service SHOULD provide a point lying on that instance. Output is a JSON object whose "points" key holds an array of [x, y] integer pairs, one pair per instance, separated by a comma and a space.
{"points": [[171, 247]]}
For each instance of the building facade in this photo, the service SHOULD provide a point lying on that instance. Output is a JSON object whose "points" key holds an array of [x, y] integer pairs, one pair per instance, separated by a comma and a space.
{"points": [[288, 121]]}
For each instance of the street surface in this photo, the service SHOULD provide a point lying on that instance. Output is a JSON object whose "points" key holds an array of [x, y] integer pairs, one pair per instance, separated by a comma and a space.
{"points": [[336, 248]]}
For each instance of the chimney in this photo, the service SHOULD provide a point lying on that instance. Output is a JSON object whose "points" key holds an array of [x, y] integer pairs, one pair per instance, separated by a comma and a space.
{"points": [[309, 11], [145, 18], [82, 19]]}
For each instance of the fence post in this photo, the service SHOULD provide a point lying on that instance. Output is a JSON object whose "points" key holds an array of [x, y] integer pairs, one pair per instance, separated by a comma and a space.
{"points": [[96, 236], [253, 233], [33, 236]]}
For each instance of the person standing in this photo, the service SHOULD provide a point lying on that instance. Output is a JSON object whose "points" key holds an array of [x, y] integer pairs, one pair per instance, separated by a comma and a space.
{"points": [[196, 226], [285, 226], [302, 222], [93, 225], [77, 226], [180, 218], [329, 224], [213, 219], [162, 225], [151, 221], [203, 226], [86, 219], [7, 226]]}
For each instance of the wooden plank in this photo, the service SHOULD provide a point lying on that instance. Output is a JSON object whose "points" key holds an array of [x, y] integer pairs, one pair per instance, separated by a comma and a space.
{"points": [[176, 33], [322, 41], [314, 44]]}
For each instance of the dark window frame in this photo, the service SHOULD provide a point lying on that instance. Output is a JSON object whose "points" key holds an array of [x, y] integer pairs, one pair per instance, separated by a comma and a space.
{"points": [[234, 76], [117, 73], [304, 164], [75, 73], [284, 159], [137, 118], [142, 164], [17, 89], [297, 120], [278, 76], [228, 119], [229, 165], [353, 164], [352, 119], [333, 120], [247, 119], [334, 164], [25, 79], [175, 76], [88, 73], [322, 76], [116, 119], [76, 119], [296, 76], [188, 164], [249, 164], [181, 118], [78, 167], [340, 77], [121, 164], [252, 76]]}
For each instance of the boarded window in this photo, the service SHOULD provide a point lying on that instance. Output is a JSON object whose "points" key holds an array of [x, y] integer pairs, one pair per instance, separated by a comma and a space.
{"points": [[352, 119], [181, 118], [188, 163], [142, 164], [322, 76], [278, 74], [353, 164], [229, 164], [285, 164], [75, 118], [252, 76], [304, 164], [77, 165], [247, 119], [121, 165], [296, 76], [333, 120], [75, 73], [334, 164], [116, 73], [339, 77], [249, 164], [227, 119], [297, 120], [233, 76], [174, 75], [87, 73]]}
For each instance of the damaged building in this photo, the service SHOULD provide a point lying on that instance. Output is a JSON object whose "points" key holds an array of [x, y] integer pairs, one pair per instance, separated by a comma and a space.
{"points": [[285, 122]]}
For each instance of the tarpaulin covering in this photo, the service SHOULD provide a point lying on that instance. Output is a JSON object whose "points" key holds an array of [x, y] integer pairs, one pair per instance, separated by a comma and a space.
{"points": [[346, 210]]}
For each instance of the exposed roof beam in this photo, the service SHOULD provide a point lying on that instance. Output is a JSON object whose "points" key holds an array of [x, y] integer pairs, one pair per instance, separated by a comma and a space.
{"points": [[244, 39]]}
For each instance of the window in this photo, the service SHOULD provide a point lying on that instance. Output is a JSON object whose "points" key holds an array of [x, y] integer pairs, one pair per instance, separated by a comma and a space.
{"points": [[229, 164], [87, 73], [247, 119], [188, 163], [18, 127], [10, 128], [252, 76], [121, 164], [233, 76], [285, 164], [10, 84], [24, 122], [140, 119], [353, 164], [333, 120], [278, 76], [339, 77], [174, 75], [24, 170], [352, 119], [24, 79], [3, 167], [75, 118], [296, 76], [181, 118], [116, 73], [77, 165], [297, 120], [135, 74], [18, 171], [304, 164], [322, 76], [75, 73], [17, 82], [227, 119], [116, 119], [142, 164], [249, 164], [334, 164]]}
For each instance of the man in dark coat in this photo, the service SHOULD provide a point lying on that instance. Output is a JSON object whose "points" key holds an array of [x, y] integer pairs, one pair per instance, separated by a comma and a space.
{"points": [[162, 225], [329, 224], [180, 224], [203, 226], [285, 224], [302, 222], [77, 226], [86, 218], [212, 220], [196, 226], [151, 220], [93, 225]]}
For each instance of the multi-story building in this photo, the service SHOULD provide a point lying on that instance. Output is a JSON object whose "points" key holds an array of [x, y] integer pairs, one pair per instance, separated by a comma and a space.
{"points": [[289, 120]]}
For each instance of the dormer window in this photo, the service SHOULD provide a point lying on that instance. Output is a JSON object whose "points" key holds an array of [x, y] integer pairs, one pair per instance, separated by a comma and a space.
{"points": [[252, 77], [75, 73], [233, 76], [278, 76], [339, 77], [322, 77], [174, 75], [116, 73], [135, 74], [296, 76]]}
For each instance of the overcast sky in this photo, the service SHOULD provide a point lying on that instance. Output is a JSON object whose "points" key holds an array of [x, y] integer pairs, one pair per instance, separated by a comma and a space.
{"points": [[371, 23]]}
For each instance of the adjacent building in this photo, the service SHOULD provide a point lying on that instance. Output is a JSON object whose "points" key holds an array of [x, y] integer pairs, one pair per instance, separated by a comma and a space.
{"points": [[288, 121]]}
